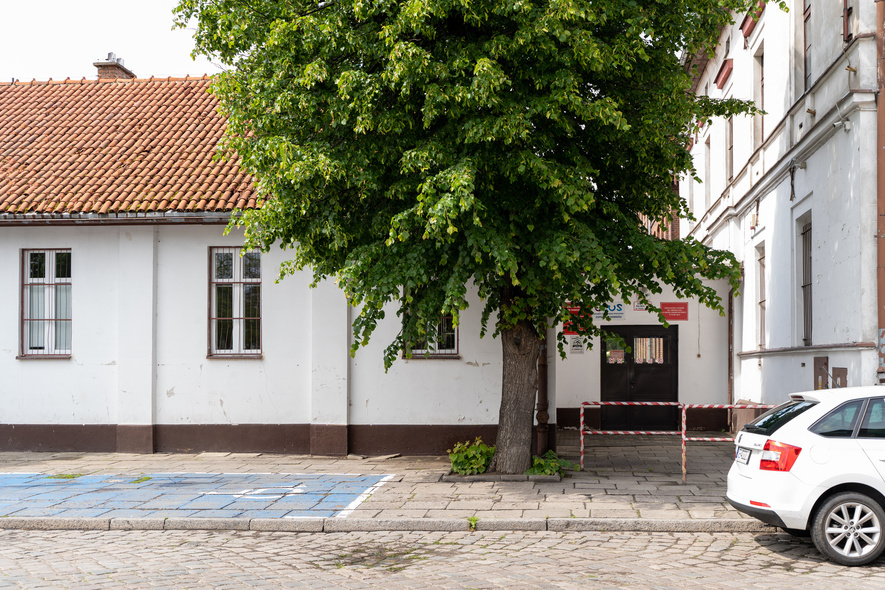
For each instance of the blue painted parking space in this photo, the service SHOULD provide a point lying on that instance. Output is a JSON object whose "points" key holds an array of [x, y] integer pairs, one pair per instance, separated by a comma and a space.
{"points": [[281, 495]]}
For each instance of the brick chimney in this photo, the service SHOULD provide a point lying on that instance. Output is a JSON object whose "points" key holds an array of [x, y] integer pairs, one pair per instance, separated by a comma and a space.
{"points": [[112, 67]]}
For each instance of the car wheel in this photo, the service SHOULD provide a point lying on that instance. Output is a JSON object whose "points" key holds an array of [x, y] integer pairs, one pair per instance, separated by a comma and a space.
{"points": [[848, 529]]}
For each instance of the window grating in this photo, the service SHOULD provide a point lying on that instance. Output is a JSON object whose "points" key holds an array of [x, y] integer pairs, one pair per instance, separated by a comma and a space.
{"points": [[445, 342], [650, 351]]}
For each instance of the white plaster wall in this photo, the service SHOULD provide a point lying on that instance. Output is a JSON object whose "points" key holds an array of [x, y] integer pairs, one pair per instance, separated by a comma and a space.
{"points": [[140, 314], [194, 389], [466, 390], [833, 182], [83, 388], [703, 353], [771, 379]]}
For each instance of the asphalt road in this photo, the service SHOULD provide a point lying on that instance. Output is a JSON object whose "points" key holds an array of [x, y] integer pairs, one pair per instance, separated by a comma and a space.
{"points": [[231, 559]]}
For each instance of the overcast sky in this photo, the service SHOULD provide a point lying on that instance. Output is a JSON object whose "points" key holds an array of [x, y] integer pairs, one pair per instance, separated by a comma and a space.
{"points": [[57, 39]]}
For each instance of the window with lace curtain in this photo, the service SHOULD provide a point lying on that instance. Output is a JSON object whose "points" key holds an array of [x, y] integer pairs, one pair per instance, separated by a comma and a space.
{"points": [[46, 303], [234, 302]]}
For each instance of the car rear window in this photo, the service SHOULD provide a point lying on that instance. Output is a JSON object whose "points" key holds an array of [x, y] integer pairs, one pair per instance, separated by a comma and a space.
{"points": [[773, 419]]}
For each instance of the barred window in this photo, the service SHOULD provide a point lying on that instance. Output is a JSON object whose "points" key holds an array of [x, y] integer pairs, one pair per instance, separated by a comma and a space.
{"points": [[235, 302], [445, 344], [46, 303]]}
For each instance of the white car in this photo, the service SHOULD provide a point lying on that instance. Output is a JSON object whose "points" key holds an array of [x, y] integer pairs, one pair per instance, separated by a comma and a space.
{"points": [[816, 464]]}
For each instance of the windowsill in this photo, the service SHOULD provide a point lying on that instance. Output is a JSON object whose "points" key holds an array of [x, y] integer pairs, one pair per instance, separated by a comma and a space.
{"points": [[42, 357], [432, 357], [235, 356]]}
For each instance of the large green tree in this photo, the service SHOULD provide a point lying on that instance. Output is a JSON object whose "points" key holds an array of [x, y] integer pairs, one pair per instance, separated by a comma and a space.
{"points": [[413, 148]]}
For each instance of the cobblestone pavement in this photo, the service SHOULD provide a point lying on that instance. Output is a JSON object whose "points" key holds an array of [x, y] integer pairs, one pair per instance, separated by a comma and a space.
{"points": [[392, 560]]}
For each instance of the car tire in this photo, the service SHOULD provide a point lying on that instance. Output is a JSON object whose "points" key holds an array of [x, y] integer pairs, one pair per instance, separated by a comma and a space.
{"points": [[849, 529]]}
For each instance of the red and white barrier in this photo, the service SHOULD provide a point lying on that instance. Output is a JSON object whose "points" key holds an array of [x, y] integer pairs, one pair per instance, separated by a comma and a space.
{"points": [[647, 432], [682, 432]]}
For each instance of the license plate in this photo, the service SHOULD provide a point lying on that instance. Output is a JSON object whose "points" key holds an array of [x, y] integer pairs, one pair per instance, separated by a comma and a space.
{"points": [[742, 455]]}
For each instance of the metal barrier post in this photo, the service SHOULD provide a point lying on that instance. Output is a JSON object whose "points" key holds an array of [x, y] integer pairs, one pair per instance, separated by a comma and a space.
{"points": [[684, 467], [582, 438]]}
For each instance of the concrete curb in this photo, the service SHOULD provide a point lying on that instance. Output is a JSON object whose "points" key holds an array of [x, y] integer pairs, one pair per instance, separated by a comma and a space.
{"points": [[486, 477], [348, 525], [711, 525]]}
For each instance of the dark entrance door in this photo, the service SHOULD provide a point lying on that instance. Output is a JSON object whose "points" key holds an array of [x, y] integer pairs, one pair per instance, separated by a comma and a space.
{"points": [[647, 373]]}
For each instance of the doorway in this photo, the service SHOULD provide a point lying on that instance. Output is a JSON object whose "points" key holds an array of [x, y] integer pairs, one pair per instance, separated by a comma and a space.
{"points": [[639, 364]]}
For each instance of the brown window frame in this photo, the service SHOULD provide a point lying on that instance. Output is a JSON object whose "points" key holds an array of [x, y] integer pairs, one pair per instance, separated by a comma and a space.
{"points": [[806, 43], [806, 284], [729, 149], [52, 323], [761, 295], [445, 329], [235, 322]]}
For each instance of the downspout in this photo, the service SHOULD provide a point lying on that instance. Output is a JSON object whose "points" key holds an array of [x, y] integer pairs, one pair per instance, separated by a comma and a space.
{"points": [[730, 401], [542, 430], [880, 184], [730, 350]]}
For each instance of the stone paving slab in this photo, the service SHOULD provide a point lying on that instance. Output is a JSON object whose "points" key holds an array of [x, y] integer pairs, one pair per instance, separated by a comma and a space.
{"points": [[622, 485]]}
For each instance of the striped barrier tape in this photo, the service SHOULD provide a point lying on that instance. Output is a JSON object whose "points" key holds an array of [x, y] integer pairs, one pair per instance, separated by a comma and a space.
{"points": [[651, 432], [631, 404], [727, 406], [685, 439], [619, 432], [682, 432]]}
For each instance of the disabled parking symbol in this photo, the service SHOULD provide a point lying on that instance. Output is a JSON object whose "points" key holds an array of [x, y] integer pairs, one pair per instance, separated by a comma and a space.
{"points": [[269, 494]]}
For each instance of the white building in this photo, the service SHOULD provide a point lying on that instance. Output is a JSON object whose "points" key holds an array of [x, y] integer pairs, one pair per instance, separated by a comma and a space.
{"points": [[793, 194], [133, 323]]}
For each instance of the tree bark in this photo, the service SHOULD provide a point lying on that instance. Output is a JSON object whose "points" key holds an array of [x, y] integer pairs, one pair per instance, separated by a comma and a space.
{"points": [[513, 453]]}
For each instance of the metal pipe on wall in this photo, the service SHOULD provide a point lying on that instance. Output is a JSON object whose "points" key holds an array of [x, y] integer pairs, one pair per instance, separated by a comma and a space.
{"points": [[880, 184]]}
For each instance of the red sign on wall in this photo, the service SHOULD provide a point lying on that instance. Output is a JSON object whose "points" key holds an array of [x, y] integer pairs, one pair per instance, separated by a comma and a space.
{"points": [[675, 312], [567, 327]]}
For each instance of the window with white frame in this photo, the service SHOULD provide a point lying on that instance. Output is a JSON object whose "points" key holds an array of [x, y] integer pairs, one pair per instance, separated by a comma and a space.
{"points": [[46, 303], [445, 343], [234, 302]]}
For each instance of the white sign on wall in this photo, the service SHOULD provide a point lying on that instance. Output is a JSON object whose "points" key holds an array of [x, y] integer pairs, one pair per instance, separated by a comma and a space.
{"points": [[615, 312], [577, 345]]}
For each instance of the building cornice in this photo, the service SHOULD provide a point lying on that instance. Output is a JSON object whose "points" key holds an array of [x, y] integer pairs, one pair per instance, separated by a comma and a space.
{"points": [[152, 218]]}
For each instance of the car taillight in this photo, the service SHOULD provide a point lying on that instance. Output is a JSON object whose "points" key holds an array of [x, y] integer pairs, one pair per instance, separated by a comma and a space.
{"points": [[778, 456]]}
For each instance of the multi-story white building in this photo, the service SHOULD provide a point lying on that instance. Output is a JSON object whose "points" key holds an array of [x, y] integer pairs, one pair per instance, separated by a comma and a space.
{"points": [[793, 194]]}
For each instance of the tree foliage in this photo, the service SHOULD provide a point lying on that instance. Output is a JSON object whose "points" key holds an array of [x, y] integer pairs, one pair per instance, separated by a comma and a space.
{"points": [[411, 148]]}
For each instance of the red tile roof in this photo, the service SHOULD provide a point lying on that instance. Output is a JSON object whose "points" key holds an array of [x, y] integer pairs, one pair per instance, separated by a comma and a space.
{"points": [[115, 146]]}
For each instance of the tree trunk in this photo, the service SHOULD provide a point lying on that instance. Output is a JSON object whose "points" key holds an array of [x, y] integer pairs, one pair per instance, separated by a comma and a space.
{"points": [[513, 453]]}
